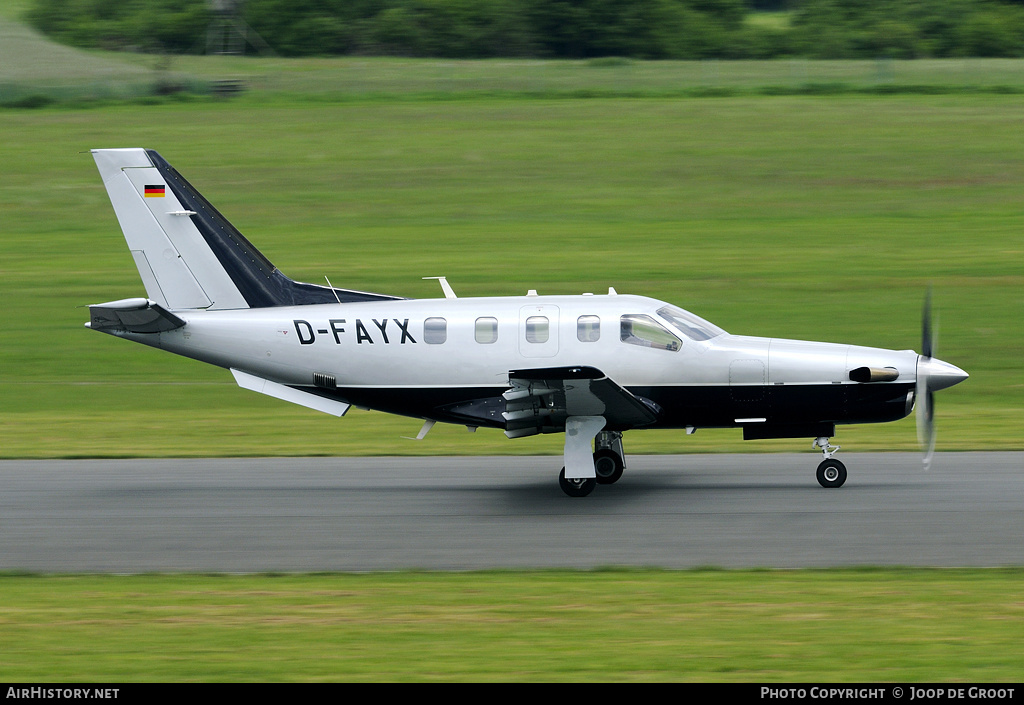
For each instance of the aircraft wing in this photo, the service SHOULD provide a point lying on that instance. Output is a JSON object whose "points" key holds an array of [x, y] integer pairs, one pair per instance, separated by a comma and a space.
{"points": [[540, 400]]}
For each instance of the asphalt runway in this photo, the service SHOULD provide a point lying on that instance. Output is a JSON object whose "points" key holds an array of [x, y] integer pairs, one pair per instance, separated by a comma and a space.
{"points": [[362, 514]]}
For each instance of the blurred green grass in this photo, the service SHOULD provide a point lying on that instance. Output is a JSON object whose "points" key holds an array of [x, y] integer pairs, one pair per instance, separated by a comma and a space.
{"points": [[801, 217], [842, 626], [812, 217], [364, 78]]}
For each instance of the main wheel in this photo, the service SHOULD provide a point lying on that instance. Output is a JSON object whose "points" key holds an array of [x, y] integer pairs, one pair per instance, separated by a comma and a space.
{"points": [[608, 465], [831, 473], [579, 487]]}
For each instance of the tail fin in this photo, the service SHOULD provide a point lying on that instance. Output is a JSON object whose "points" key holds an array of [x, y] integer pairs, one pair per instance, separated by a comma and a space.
{"points": [[187, 253]]}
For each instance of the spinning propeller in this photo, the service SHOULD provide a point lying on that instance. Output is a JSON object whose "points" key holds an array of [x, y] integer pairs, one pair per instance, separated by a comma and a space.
{"points": [[932, 375]]}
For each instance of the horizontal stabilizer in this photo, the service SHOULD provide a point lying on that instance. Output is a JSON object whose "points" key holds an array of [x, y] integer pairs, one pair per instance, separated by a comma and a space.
{"points": [[132, 315], [291, 394]]}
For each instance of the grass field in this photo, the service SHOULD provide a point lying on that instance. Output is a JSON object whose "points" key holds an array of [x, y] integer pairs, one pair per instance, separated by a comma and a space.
{"points": [[804, 217], [897, 626]]}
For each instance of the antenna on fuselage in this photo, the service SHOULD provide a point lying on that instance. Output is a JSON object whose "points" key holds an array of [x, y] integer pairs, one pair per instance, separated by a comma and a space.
{"points": [[449, 293]]}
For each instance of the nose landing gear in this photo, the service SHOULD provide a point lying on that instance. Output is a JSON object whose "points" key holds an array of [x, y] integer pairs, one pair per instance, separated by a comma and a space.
{"points": [[831, 472]]}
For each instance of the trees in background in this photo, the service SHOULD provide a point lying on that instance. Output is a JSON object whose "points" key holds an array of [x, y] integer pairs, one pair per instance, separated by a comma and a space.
{"points": [[841, 29], [644, 29]]}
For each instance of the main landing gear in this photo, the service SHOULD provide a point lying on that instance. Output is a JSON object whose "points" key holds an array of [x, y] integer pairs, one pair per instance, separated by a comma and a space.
{"points": [[608, 467], [831, 472], [576, 487], [603, 467], [608, 457]]}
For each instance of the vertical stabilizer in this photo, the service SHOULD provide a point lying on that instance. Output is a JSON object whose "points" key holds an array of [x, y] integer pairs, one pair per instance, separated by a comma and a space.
{"points": [[178, 268], [187, 253]]}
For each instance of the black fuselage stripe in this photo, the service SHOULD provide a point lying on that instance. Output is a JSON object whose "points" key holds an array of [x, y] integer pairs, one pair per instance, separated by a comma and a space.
{"points": [[260, 283], [681, 406]]}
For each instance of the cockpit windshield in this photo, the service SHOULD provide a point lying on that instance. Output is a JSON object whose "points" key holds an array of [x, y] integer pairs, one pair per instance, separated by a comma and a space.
{"points": [[638, 329], [693, 327]]}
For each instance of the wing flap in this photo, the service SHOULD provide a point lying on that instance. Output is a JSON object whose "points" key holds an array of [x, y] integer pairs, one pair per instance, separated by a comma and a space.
{"points": [[540, 400]]}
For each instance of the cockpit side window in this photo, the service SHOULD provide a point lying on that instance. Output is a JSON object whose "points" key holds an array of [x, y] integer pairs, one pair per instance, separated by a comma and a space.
{"points": [[693, 327], [639, 329]]}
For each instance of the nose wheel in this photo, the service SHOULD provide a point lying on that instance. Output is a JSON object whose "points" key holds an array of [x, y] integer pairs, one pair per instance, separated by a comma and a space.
{"points": [[831, 472]]}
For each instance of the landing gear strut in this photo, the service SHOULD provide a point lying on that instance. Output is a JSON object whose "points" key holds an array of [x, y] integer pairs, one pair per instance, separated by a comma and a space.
{"points": [[831, 472]]}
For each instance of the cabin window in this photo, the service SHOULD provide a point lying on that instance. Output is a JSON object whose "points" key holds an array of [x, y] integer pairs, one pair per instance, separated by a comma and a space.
{"points": [[537, 329], [588, 329], [435, 331], [486, 330], [638, 329]]}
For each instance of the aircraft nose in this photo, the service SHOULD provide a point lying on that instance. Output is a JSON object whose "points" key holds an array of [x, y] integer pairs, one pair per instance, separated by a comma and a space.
{"points": [[941, 375]]}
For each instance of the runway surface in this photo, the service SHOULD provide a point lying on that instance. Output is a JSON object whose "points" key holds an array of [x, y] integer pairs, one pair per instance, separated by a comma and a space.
{"points": [[361, 514]]}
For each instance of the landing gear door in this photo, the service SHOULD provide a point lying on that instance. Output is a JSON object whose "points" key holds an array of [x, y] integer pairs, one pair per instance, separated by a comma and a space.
{"points": [[538, 330]]}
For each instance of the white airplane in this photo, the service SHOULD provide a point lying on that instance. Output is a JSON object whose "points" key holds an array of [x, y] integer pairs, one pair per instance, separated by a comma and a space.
{"points": [[591, 366]]}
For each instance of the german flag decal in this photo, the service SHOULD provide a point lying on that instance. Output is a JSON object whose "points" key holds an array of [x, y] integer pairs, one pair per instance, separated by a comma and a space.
{"points": [[155, 191]]}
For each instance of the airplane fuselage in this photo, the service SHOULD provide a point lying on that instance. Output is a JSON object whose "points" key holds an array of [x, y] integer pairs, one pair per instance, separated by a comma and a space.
{"points": [[426, 357]]}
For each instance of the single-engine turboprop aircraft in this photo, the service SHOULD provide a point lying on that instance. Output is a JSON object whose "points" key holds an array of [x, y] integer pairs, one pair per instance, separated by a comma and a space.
{"points": [[590, 366]]}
